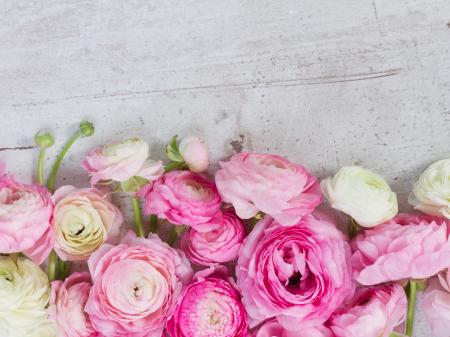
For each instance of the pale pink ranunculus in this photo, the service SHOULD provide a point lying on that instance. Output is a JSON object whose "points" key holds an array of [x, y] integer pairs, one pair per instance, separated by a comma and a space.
{"points": [[209, 307], [297, 274], [83, 219], [194, 153], [405, 247], [255, 182], [218, 245], [121, 161], [376, 311], [274, 329], [183, 198], [436, 304], [67, 301], [25, 212], [135, 286]]}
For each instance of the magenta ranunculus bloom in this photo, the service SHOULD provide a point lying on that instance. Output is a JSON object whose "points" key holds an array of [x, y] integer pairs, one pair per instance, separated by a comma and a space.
{"points": [[209, 307], [436, 304], [67, 301], [373, 312], [218, 245], [408, 246], [183, 198], [298, 274], [136, 285], [274, 329], [25, 212], [255, 182]]}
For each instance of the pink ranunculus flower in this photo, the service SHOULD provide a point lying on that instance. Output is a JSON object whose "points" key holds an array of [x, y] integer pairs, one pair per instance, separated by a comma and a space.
{"points": [[136, 285], [25, 212], [184, 198], [67, 301], [408, 246], [255, 182], [376, 311], [209, 307], [122, 161], [436, 304], [83, 219], [274, 329], [297, 274], [194, 153], [216, 246]]}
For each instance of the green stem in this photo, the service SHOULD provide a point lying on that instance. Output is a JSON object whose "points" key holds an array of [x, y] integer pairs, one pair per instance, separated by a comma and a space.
{"points": [[411, 306], [40, 166], [353, 228], [66, 269], [52, 262], [55, 168], [173, 236], [153, 223], [137, 216]]}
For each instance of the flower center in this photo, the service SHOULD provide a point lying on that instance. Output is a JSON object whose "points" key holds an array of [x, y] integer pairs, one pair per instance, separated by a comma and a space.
{"points": [[295, 279]]}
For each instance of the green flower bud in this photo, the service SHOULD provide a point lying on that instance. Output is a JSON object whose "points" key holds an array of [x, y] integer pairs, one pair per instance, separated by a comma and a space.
{"points": [[44, 139], [87, 128]]}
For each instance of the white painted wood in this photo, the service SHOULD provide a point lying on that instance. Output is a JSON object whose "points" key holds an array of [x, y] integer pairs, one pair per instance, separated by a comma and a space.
{"points": [[325, 83]]}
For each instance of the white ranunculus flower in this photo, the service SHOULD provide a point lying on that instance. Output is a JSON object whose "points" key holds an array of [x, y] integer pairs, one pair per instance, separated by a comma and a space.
{"points": [[24, 295], [431, 193], [362, 194]]}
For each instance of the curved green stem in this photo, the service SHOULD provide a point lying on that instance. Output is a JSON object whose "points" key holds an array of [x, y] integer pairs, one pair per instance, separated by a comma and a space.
{"points": [[153, 223], [137, 217], [55, 168], [411, 306], [52, 263], [40, 166]]}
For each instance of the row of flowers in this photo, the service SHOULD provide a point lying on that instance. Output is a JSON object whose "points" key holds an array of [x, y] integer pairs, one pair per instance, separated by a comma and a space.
{"points": [[248, 253]]}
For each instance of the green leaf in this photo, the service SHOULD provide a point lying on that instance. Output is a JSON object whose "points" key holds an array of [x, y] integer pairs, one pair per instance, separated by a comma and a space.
{"points": [[172, 151], [133, 184], [174, 165]]}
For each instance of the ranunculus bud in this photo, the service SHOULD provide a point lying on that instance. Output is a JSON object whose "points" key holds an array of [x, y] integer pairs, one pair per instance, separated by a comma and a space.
{"points": [[44, 139], [83, 219], [24, 295], [87, 128], [431, 193], [362, 194], [195, 154]]}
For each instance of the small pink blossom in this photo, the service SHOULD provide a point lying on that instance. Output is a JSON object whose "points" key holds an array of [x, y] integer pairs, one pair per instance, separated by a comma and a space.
{"points": [[25, 212], [218, 245], [184, 198], [209, 307], [406, 247], [376, 311], [297, 274], [195, 154], [67, 301], [135, 286], [255, 182]]}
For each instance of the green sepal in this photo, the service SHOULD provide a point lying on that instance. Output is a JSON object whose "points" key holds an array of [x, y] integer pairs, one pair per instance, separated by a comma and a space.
{"points": [[173, 152], [133, 184]]}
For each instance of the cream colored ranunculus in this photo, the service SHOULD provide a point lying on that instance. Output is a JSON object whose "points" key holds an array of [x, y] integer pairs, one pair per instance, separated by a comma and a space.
{"points": [[24, 295], [362, 194], [83, 219], [431, 193]]}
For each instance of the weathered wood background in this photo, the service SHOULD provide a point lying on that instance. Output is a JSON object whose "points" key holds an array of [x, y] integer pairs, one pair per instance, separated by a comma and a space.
{"points": [[325, 83]]}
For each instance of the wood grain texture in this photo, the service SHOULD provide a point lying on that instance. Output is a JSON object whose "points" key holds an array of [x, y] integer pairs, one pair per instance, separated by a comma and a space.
{"points": [[326, 83]]}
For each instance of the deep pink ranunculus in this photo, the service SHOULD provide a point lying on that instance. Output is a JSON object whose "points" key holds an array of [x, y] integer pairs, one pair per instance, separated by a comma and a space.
{"points": [[67, 301], [25, 213], [376, 311], [408, 246], [135, 286], [436, 304], [274, 329], [218, 245], [298, 274], [209, 307], [184, 198], [255, 182]]}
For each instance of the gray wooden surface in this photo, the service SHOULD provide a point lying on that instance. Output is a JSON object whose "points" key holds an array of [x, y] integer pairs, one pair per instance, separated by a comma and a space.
{"points": [[326, 83]]}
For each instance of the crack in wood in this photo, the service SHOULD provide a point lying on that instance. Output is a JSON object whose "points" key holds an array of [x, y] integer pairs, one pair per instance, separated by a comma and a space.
{"points": [[17, 148], [232, 86]]}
